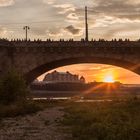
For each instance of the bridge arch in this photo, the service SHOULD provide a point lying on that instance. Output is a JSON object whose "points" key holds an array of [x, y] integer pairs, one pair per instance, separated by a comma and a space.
{"points": [[41, 69]]}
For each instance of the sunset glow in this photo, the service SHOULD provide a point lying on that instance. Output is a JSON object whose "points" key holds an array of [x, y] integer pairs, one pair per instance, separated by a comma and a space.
{"points": [[109, 79], [100, 73]]}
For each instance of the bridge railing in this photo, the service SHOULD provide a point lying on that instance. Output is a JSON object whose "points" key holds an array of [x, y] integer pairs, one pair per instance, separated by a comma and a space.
{"points": [[78, 44], [70, 43]]}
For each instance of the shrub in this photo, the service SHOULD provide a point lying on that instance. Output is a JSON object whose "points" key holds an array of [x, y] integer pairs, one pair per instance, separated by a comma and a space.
{"points": [[18, 109], [12, 88]]}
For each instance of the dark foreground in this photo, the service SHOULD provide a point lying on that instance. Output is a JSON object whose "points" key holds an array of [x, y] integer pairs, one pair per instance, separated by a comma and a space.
{"points": [[116, 120], [43, 125], [104, 121]]}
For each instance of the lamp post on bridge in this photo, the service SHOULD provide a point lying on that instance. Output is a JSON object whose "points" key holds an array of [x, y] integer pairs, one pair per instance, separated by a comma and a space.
{"points": [[86, 25], [26, 28]]}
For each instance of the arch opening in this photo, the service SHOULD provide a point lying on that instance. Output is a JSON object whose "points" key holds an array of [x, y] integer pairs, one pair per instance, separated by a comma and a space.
{"points": [[33, 74]]}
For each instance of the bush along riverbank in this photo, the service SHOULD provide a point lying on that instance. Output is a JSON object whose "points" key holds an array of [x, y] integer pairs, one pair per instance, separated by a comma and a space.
{"points": [[103, 121], [13, 96]]}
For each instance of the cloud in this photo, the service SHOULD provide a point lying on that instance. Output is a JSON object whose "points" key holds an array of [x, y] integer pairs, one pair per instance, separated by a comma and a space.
{"points": [[64, 8], [72, 16], [110, 69], [55, 33], [133, 2], [96, 68], [104, 17], [107, 19], [71, 29], [4, 3], [119, 8], [39, 31], [4, 32], [50, 2]]}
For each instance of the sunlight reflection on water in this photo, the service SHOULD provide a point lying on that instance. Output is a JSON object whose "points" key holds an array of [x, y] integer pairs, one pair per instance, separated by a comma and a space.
{"points": [[81, 101]]}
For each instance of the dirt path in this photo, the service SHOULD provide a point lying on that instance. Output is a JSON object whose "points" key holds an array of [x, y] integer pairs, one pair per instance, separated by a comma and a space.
{"points": [[41, 126]]}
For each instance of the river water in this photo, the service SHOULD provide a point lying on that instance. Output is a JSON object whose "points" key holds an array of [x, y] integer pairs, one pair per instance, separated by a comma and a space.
{"points": [[76, 100]]}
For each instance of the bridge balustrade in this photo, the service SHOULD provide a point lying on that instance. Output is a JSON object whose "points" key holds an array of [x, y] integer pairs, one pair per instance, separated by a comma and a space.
{"points": [[101, 43]]}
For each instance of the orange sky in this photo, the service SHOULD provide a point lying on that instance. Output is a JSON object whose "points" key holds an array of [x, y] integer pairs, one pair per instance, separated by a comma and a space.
{"points": [[98, 72]]}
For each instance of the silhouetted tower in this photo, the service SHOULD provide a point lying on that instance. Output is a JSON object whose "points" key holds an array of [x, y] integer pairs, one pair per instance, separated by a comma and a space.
{"points": [[26, 28], [86, 25]]}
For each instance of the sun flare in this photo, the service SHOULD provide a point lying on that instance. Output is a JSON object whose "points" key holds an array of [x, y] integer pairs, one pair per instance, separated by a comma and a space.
{"points": [[109, 79]]}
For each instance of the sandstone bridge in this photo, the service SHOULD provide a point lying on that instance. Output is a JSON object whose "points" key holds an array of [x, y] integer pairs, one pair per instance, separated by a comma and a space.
{"points": [[33, 58]]}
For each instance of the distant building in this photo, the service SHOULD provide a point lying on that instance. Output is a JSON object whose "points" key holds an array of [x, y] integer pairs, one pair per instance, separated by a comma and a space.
{"points": [[63, 77], [82, 79], [36, 81]]}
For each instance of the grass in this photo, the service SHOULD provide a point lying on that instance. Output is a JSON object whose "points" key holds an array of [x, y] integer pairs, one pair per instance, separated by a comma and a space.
{"points": [[17, 109], [28, 107], [104, 121]]}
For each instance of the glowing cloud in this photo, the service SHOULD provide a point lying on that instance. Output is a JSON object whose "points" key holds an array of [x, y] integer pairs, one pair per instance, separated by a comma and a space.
{"points": [[64, 8], [4, 3]]}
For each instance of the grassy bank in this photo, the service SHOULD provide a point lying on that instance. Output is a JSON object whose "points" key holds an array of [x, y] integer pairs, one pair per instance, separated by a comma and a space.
{"points": [[17, 109], [26, 108], [104, 121]]}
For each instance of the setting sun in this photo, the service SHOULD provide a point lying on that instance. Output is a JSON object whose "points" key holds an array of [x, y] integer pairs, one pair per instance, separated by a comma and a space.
{"points": [[109, 79]]}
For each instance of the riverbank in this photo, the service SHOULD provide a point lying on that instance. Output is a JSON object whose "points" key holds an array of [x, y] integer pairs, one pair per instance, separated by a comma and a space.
{"points": [[43, 125], [71, 120]]}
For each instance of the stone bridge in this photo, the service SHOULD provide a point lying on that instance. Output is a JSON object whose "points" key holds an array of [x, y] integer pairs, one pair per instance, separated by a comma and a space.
{"points": [[34, 58]]}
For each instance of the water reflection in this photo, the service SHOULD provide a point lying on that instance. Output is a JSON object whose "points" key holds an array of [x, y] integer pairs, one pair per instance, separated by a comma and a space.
{"points": [[53, 98], [76, 100], [105, 100]]}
